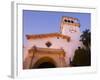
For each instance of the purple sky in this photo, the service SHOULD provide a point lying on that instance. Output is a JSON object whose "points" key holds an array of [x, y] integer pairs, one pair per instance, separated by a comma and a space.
{"points": [[37, 22]]}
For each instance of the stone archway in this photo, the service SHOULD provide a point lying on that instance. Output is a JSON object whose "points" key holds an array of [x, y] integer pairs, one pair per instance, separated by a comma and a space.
{"points": [[45, 62], [45, 58]]}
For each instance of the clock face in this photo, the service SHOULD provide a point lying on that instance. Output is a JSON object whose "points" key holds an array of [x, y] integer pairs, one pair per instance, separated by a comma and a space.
{"points": [[72, 29]]}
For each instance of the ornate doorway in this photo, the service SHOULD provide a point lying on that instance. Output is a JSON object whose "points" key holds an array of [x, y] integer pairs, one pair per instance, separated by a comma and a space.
{"points": [[45, 58]]}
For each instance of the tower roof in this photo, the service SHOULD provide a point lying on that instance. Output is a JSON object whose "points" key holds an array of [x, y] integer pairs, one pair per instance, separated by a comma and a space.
{"points": [[70, 21], [67, 17]]}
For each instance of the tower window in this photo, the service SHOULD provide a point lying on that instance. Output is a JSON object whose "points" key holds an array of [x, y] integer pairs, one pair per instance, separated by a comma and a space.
{"points": [[65, 20], [69, 21], [72, 21], [48, 44]]}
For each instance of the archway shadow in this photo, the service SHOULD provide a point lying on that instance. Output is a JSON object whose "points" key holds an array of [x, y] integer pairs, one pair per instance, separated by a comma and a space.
{"points": [[45, 62]]}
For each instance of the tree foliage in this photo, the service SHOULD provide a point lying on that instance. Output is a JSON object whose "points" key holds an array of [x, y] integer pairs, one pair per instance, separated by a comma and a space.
{"points": [[86, 38], [82, 56]]}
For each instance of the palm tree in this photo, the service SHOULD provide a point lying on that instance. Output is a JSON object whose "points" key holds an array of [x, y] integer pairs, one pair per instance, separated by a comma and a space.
{"points": [[86, 38]]}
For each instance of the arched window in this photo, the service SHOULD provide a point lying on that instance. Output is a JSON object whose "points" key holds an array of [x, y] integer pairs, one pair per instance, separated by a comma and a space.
{"points": [[65, 20], [72, 21], [68, 21]]}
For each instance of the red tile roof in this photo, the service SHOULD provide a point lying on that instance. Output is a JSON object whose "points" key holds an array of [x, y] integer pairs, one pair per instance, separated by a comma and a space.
{"points": [[36, 36]]}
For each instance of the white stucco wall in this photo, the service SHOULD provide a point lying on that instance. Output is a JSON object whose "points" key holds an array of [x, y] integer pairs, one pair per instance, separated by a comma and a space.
{"points": [[67, 30], [69, 47], [56, 43]]}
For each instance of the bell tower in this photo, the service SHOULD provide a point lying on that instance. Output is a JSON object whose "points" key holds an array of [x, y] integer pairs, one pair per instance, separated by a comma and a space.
{"points": [[70, 26]]}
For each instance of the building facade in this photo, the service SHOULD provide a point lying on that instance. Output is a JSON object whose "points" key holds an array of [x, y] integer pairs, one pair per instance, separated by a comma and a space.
{"points": [[53, 49]]}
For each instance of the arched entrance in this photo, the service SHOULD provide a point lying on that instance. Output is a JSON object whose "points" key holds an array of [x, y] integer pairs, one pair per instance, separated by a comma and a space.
{"points": [[45, 58], [45, 62]]}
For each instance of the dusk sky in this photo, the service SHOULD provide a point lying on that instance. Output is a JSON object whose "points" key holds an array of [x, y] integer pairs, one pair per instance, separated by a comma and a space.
{"points": [[41, 22]]}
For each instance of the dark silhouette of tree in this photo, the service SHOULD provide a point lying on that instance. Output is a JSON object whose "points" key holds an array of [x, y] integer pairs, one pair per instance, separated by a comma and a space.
{"points": [[82, 56], [86, 38]]}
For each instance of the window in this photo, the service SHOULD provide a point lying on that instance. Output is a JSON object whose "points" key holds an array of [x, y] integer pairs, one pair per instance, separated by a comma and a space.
{"points": [[72, 21], [57, 37], [48, 44], [65, 20], [69, 21]]}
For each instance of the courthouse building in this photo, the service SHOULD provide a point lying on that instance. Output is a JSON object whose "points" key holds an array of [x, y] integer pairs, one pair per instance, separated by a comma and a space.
{"points": [[53, 50]]}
